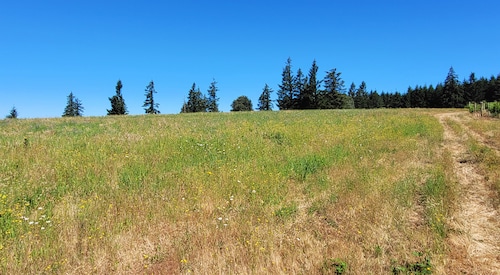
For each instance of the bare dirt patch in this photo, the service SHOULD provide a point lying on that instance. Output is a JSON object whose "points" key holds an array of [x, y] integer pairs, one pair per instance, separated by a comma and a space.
{"points": [[474, 240]]}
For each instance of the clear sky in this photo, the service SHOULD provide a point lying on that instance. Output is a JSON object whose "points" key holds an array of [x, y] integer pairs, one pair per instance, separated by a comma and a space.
{"points": [[53, 47]]}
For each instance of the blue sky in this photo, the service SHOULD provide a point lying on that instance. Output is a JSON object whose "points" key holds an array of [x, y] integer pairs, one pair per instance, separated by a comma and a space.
{"points": [[53, 47]]}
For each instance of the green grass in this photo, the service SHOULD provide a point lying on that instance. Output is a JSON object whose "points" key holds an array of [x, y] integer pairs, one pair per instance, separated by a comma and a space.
{"points": [[261, 192]]}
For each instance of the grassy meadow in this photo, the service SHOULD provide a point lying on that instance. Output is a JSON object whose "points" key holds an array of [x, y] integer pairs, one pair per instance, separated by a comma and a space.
{"points": [[302, 192]]}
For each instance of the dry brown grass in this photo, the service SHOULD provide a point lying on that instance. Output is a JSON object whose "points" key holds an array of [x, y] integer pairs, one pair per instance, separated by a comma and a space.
{"points": [[474, 241]]}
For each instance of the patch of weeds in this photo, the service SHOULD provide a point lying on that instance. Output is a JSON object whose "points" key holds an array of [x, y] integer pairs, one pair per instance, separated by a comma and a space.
{"points": [[277, 137], [435, 192], [377, 251], [334, 266], [421, 266], [132, 179], [286, 212], [339, 153], [307, 165], [478, 152]]}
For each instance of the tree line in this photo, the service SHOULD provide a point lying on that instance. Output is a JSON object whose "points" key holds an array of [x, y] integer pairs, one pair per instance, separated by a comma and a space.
{"points": [[298, 91]]}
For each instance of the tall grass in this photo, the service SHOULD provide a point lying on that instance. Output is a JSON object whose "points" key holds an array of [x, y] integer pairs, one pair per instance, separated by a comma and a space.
{"points": [[263, 192]]}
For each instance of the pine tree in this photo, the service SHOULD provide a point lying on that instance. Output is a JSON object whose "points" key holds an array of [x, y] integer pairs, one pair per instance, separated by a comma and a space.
{"points": [[118, 106], [212, 105], [492, 88], [299, 84], [452, 96], [332, 96], [68, 110], [374, 100], [497, 89], [265, 103], [432, 97], [242, 103], [184, 107], [417, 97], [73, 107], [309, 97], [352, 90], [196, 101], [13, 113], [78, 107], [151, 107], [349, 104], [361, 97], [286, 89]]}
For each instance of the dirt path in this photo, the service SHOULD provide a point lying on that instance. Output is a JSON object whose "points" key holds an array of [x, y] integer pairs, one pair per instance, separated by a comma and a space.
{"points": [[475, 227]]}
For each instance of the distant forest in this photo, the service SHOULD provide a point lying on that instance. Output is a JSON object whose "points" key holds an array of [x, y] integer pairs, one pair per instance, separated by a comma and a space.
{"points": [[298, 91]]}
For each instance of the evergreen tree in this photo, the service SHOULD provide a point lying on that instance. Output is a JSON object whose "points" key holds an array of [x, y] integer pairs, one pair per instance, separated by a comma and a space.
{"points": [[432, 97], [497, 89], [299, 84], [150, 106], [212, 105], [286, 89], [374, 100], [118, 106], [68, 110], [78, 107], [332, 96], [481, 86], [184, 107], [12, 113], [350, 97], [492, 89], [394, 100], [386, 99], [439, 95], [309, 97], [352, 90], [361, 97], [73, 107], [469, 88], [452, 96], [242, 103], [265, 103], [417, 97], [196, 101]]}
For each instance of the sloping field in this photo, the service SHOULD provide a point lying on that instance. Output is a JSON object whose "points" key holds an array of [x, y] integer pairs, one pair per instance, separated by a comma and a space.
{"points": [[303, 192]]}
